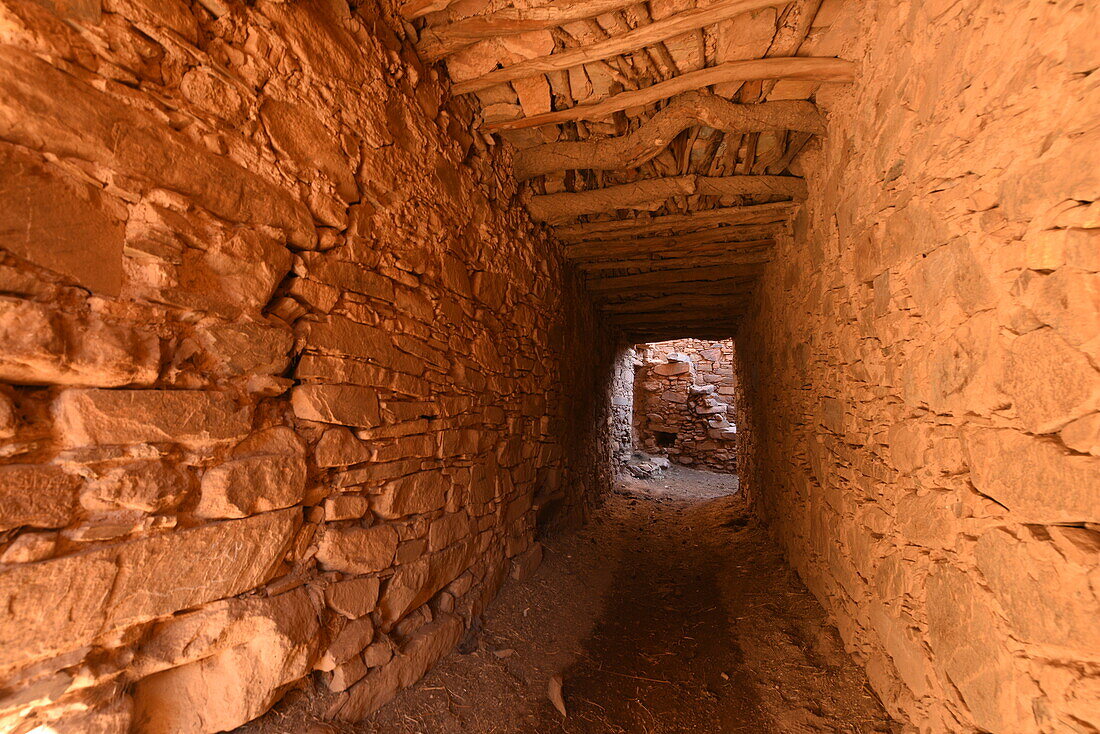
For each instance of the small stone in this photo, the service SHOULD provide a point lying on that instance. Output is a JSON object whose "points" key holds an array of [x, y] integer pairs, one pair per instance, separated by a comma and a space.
{"points": [[353, 598], [30, 547], [351, 640], [357, 550], [346, 507], [348, 405], [340, 447], [37, 495], [148, 486]]}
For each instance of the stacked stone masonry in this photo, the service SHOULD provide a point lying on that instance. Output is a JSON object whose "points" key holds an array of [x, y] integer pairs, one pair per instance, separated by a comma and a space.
{"points": [[290, 378], [918, 422], [683, 390]]}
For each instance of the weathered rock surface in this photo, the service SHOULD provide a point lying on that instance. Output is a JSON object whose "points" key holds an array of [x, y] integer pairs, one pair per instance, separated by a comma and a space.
{"points": [[357, 550], [918, 416], [40, 496], [228, 684], [99, 591], [191, 417], [254, 365], [413, 660]]}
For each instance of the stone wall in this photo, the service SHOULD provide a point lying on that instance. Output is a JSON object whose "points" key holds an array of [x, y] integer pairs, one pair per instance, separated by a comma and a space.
{"points": [[621, 420], [919, 420], [288, 373], [681, 402]]}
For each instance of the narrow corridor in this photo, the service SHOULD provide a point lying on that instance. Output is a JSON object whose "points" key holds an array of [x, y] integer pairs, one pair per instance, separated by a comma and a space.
{"points": [[671, 612], [329, 328]]}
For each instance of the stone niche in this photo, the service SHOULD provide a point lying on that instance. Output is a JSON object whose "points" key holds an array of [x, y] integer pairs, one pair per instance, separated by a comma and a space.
{"points": [[286, 378], [683, 390]]}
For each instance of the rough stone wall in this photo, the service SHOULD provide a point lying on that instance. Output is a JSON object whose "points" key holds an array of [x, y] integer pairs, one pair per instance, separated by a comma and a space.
{"points": [[288, 374], [919, 419], [684, 387], [621, 420]]}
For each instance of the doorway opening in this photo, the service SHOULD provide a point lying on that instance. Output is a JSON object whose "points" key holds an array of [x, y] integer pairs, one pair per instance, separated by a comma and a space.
{"points": [[684, 394]]}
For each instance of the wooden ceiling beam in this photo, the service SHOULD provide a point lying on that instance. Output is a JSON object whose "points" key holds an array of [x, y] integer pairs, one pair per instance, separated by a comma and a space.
{"points": [[651, 265], [641, 146], [801, 68], [713, 241], [677, 223], [445, 39], [684, 302], [652, 193], [646, 35], [686, 277]]}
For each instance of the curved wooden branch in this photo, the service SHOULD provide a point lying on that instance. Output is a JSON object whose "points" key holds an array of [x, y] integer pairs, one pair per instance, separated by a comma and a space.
{"points": [[646, 35], [678, 223], [645, 143], [810, 68], [651, 193], [443, 40]]}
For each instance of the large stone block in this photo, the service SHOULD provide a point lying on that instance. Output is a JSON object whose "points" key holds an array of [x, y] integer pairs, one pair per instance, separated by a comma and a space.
{"points": [[672, 369], [268, 472], [43, 107], [357, 550], [348, 643], [60, 605], [1047, 596], [234, 684], [221, 625], [1033, 477], [340, 447], [1050, 382], [247, 348], [194, 418], [969, 647], [300, 137], [348, 405], [60, 223], [40, 345], [36, 495], [353, 598], [411, 495], [342, 336]]}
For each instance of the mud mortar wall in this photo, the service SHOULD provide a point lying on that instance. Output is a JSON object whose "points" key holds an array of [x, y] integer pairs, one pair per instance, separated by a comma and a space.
{"points": [[688, 399], [288, 374], [919, 421]]}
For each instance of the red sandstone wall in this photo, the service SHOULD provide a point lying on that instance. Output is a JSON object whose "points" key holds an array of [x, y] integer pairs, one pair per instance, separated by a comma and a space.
{"points": [[689, 399], [287, 372], [920, 414]]}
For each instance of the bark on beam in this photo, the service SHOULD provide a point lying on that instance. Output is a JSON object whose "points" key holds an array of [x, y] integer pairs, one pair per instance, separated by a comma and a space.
{"points": [[652, 193], [677, 223], [652, 265], [416, 8], [443, 40], [645, 143], [687, 277], [805, 69], [646, 35], [709, 242], [686, 301]]}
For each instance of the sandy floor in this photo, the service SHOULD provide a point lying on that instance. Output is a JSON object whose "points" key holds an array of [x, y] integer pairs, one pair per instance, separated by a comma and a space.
{"points": [[671, 612]]}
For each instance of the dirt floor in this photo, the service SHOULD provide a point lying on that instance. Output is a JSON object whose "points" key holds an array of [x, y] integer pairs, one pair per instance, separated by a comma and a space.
{"points": [[672, 611]]}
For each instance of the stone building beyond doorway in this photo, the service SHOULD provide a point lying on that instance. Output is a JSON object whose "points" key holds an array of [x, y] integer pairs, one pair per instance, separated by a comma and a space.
{"points": [[683, 402]]}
